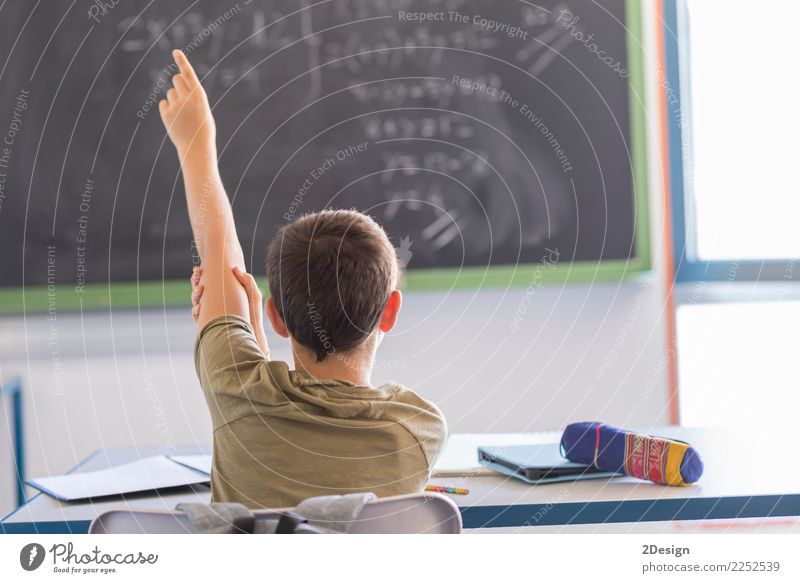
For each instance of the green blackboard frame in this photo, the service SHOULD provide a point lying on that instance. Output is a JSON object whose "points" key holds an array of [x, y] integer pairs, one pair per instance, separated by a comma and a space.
{"points": [[154, 294]]}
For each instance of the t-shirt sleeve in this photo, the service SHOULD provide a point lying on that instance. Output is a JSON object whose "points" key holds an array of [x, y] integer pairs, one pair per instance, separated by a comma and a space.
{"points": [[431, 432], [236, 378]]}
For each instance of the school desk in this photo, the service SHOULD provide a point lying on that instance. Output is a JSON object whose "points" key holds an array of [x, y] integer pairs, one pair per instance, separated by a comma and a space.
{"points": [[45, 515], [748, 474]]}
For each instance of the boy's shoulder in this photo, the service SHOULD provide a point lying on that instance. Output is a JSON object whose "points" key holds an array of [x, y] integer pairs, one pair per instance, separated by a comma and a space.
{"points": [[423, 419], [403, 394]]}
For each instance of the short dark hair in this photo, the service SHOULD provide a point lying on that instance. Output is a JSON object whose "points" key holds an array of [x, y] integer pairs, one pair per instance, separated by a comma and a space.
{"points": [[330, 275]]}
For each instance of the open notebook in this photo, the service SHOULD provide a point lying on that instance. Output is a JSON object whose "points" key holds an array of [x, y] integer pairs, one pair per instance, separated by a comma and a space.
{"points": [[150, 473], [199, 462]]}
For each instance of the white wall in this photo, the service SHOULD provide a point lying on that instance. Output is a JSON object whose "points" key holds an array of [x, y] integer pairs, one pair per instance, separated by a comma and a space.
{"points": [[582, 352]]}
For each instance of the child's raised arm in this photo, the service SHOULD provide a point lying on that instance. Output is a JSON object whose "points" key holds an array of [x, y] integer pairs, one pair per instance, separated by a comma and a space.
{"points": [[190, 125]]}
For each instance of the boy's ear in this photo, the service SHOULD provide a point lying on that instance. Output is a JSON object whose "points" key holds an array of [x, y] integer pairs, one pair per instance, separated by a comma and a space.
{"points": [[275, 318], [390, 312]]}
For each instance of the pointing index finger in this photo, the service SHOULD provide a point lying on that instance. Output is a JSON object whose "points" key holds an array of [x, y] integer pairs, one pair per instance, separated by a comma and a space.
{"points": [[184, 66]]}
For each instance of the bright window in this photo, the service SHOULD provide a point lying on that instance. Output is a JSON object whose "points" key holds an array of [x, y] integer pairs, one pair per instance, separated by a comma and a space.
{"points": [[743, 172], [738, 363]]}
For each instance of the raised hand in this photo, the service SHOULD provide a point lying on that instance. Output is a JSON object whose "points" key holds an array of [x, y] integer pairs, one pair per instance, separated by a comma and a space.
{"points": [[190, 125], [185, 112]]}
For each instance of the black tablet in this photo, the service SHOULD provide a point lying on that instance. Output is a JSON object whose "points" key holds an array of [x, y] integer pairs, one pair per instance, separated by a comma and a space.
{"points": [[536, 463]]}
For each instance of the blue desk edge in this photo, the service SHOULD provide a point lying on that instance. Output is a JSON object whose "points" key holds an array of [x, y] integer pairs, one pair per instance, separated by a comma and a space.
{"points": [[525, 515]]}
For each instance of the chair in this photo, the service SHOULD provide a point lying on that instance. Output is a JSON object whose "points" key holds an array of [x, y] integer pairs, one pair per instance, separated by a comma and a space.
{"points": [[429, 513]]}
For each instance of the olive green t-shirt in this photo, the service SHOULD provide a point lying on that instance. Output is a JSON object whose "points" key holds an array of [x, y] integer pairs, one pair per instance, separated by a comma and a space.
{"points": [[281, 436]]}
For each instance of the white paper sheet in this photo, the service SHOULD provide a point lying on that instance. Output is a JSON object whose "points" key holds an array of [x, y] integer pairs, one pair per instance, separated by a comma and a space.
{"points": [[142, 475]]}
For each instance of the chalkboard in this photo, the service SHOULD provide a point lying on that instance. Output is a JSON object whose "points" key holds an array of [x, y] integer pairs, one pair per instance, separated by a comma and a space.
{"points": [[480, 134]]}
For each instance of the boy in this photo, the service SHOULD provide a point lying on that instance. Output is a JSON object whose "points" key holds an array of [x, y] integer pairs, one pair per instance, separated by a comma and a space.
{"points": [[283, 435]]}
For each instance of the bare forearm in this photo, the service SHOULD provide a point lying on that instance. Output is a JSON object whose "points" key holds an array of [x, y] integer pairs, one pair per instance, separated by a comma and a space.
{"points": [[187, 117], [209, 209]]}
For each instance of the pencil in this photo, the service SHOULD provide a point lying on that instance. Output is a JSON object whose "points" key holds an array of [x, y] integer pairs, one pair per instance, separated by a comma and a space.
{"points": [[447, 490]]}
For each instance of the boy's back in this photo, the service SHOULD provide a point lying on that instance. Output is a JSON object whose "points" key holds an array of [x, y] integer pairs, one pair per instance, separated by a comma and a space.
{"points": [[281, 436]]}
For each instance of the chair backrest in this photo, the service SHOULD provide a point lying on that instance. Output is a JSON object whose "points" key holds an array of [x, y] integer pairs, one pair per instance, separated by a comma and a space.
{"points": [[429, 513]]}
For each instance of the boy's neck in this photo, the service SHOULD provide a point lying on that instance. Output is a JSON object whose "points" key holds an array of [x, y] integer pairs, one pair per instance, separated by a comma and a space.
{"points": [[354, 366]]}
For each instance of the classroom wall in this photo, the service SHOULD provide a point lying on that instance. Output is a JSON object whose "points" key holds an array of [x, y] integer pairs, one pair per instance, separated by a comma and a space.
{"points": [[590, 351]]}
